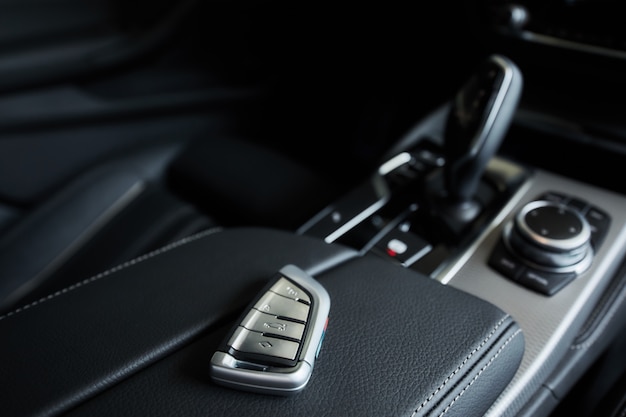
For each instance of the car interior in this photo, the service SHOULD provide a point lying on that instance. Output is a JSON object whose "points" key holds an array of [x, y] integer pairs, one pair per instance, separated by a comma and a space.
{"points": [[266, 208]]}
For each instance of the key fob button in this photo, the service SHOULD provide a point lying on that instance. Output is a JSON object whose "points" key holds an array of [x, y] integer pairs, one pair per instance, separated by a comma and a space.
{"points": [[246, 341], [287, 289], [268, 324], [277, 305]]}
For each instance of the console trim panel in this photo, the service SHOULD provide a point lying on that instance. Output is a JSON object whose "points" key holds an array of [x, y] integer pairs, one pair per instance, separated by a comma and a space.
{"points": [[550, 324]]}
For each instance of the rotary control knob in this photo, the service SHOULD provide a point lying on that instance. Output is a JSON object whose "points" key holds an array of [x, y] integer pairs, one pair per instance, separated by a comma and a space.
{"points": [[551, 237]]}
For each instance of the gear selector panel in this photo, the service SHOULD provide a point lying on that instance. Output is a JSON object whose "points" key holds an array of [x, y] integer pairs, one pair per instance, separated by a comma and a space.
{"points": [[273, 347]]}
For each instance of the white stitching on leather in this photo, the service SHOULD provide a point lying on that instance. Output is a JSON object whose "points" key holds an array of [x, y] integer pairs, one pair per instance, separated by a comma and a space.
{"points": [[458, 369], [493, 358], [97, 277]]}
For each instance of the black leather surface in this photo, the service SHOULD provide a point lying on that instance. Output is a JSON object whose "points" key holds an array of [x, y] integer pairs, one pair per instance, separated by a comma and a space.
{"points": [[284, 193], [45, 238], [154, 219], [59, 351], [398, 344]]}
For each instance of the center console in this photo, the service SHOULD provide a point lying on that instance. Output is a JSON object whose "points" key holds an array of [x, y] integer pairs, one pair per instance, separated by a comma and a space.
{"points": [[543, 247]]}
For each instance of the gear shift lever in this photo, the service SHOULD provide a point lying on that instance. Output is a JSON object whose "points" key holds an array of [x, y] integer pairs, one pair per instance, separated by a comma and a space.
{"points": [[478, 119]]}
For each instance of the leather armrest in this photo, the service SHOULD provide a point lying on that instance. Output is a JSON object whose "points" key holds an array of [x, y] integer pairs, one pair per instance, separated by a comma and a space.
{"points": [[137, 340]]}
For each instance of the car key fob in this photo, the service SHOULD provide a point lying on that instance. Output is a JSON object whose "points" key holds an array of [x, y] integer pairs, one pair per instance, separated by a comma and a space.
{"points": [[273, 348]]}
